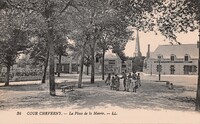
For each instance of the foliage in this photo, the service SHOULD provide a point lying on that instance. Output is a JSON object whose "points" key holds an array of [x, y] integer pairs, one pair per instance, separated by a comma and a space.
{"points": [[177, 16], [61, 45], [138, 13], [14, 39], [38, 51]]}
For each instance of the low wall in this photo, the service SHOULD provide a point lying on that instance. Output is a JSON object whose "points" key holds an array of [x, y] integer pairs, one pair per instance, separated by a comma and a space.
{"points": [[26, 78], [22, 78]]}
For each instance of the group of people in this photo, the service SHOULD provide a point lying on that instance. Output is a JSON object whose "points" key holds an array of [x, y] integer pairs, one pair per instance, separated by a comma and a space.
{"points": [[129, 81]]}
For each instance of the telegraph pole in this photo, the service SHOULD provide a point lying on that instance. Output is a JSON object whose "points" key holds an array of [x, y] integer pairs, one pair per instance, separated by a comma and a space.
{"points": [[159, 70]]}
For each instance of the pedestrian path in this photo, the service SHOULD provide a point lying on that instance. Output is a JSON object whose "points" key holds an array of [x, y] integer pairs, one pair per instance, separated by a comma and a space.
{"points": [[63, 78]]}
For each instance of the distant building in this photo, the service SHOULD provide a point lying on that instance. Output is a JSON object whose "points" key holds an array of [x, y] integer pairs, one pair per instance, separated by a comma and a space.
{"points": [[113, 63], [137, 52], [174, 59], [69, 64]]}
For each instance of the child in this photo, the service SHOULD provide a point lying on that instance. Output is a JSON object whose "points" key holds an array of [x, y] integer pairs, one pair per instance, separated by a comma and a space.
{"points": [[135, 87]]}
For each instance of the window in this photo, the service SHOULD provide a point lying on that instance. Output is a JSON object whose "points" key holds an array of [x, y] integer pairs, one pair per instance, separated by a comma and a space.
{"points": [[172, 69], [193, 68], [186, 58], [172, 58], [112, 62], [190, 68]]}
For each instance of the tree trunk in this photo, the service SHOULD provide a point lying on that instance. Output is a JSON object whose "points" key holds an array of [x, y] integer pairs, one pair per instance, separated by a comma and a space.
{"points": [[103, 57], [48, 12], [51, 60], [92, 47], [81, 65], [45, 67], [59, 63], [7, 75], [87, 70]]}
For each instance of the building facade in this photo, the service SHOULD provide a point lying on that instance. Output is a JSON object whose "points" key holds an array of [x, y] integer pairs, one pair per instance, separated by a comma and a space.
{"points": [[113, 63], [172, 60], [70, 64]]}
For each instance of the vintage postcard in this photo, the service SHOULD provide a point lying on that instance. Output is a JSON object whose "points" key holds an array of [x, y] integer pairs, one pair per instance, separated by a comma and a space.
{"points": [[99, 62]]}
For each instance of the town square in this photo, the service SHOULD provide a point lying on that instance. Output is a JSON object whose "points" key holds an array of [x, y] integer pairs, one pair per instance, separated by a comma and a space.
{"points": [[100, 61]]}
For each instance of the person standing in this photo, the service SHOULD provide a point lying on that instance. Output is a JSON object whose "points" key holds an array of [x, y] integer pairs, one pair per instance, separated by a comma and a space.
{"points": [[124, 76], [108, 79], [128, 82], [117, 82]]}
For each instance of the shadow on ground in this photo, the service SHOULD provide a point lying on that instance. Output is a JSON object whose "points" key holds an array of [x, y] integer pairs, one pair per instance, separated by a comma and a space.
{"points": [[151, 95]]}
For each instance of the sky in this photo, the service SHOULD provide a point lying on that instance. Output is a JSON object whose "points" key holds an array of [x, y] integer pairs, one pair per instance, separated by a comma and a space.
{"points": [[156, 40]]}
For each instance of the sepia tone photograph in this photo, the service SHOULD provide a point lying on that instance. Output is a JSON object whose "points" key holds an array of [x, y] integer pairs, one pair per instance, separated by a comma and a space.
{"points": [[100, 61]]}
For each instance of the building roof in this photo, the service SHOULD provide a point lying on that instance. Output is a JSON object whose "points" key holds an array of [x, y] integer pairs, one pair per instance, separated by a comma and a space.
{"points": [[110, 55], [178, 50]]}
